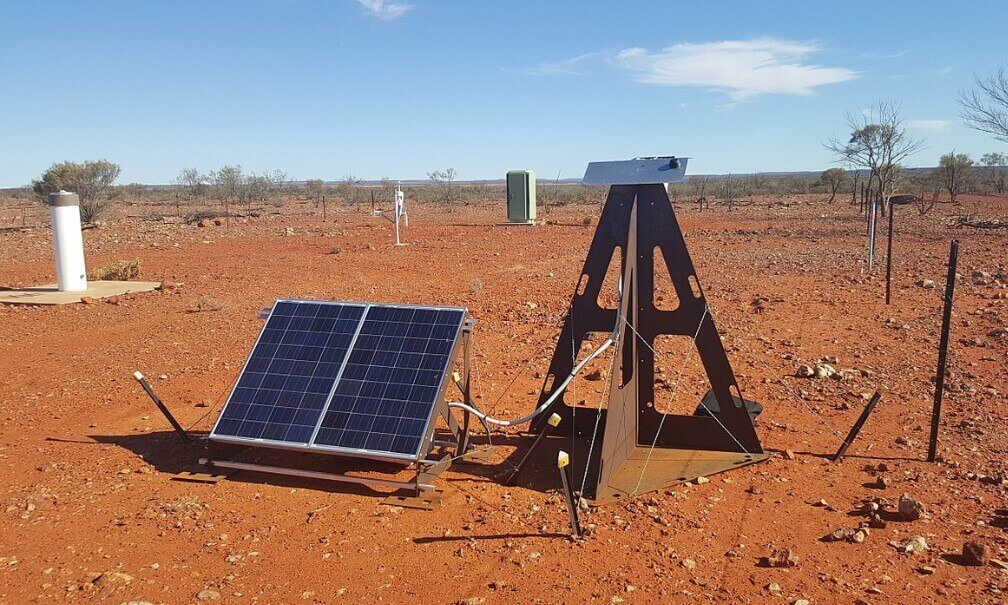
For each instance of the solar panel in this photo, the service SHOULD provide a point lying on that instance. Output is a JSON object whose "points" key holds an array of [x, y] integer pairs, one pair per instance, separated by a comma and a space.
{"points": [[356, 378], [392, 380], [291, 371]]}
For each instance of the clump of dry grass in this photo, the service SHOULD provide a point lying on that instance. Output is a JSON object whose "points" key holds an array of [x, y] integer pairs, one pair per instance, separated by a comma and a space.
{"points": [[206, 303], [118, 271]]}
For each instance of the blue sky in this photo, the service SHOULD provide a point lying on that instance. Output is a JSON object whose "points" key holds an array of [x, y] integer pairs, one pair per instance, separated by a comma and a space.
{"points": [[324, 88]]}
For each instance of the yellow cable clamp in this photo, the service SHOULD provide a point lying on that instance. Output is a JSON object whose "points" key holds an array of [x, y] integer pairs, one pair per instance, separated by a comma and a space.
{"points": [[456, 377], [554, 419], [562, 459]]}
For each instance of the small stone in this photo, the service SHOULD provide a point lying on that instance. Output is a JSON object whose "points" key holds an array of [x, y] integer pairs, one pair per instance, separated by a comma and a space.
{"points": [[701, 480], [689, 564], [804, 371], [801, 602], [790, 455], [975, 553], [781, 557], [881, 482], [472, 601], [208, 595], [910, 508], [773, 587], [915, 544], [927, 284], [926, 570], [88, 300]]}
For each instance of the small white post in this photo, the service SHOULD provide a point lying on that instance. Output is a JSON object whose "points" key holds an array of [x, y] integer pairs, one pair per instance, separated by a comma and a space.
{"points": [[400, 212], [68, 243]]}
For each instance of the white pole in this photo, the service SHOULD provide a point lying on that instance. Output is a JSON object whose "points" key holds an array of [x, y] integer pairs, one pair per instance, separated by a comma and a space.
{"points": [[400, 212], [68, 244]]}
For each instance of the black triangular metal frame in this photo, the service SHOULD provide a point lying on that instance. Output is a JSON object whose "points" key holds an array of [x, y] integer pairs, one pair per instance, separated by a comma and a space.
{"points": [[639, 221]]}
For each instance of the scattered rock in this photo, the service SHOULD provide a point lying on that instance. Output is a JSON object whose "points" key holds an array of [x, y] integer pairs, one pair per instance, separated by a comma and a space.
{"points": [[471, 601], [701, 480], [781, 557], [804, 371], [168, 285], [208, 595], [289, 231], [910, 508], [881, 482], [855, 535], [926, 570], [927, 284], [975, 553], [689, 564], [790, 455], [88, 300], [915, 544]]}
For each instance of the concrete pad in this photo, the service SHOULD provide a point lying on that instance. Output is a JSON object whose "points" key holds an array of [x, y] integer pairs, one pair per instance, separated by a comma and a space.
{"points": [[50, 294]]}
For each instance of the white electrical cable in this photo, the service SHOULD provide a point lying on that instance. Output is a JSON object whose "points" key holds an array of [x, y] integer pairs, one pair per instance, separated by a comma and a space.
{"points": [[546, 404], [560, 389]]}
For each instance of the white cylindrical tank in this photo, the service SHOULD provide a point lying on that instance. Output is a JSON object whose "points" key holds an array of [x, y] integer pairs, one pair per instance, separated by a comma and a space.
{"points": [[68, 245]]}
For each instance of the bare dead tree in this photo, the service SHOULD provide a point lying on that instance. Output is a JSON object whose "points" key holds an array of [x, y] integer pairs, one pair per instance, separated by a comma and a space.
{"points": [[880, 142], [985, 106]]}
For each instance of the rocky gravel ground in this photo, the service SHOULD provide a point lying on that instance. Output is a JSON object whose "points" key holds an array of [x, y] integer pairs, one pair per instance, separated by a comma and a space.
{"points": [[92, 512]]}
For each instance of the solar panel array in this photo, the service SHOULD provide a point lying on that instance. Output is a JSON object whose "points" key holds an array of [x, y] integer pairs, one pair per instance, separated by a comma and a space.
{"points": [[351, 377]]}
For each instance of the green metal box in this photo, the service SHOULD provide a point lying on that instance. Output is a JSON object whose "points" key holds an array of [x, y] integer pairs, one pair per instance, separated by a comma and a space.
{"points": [[521, 196]]}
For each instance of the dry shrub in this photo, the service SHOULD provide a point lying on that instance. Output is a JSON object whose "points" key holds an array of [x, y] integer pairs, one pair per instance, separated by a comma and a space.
{"points": [[118, 271]]}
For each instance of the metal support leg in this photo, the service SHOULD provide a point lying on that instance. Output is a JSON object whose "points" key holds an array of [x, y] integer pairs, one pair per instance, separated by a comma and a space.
{"points": [[161, 406]]}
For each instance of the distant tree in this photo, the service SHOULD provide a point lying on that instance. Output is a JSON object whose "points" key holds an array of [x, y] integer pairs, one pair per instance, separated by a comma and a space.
{"points": [[956, 173], [997, 175], [192, 183], [699, 184], [228, 182], [315, 189], [276, 181], [348, 189], [443, 179], [878, 141], [90, 180], [985, 106], [730, 188], [834, 179]]}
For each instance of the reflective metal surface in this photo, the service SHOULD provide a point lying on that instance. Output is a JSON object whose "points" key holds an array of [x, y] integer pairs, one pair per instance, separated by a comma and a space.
{"points": [[638, 171]]}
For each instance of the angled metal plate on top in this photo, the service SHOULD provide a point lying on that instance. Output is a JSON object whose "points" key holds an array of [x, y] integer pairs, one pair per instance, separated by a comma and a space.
{"points": [[638, 171]]}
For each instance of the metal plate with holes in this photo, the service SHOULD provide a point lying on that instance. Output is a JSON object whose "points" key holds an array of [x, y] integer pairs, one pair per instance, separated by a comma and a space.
{"points": [[361, 379], [638, 171]]}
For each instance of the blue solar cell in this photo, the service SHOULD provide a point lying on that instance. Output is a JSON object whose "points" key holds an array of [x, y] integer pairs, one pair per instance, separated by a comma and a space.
{"points": [[291, 371], [390, 385], [343, 376]]}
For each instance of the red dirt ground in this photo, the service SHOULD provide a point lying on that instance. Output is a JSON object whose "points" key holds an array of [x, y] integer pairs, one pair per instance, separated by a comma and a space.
{"points": [[88, 461]]}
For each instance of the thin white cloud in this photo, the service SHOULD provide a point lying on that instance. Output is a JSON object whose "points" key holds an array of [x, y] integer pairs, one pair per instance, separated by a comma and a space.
{"points": [[895, 55], [743, 69], [383, 9], [930, 125], [565, 67]]}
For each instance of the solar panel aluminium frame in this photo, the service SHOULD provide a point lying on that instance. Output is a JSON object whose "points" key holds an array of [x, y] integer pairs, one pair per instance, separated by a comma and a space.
{"points": [[439, 407]]}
